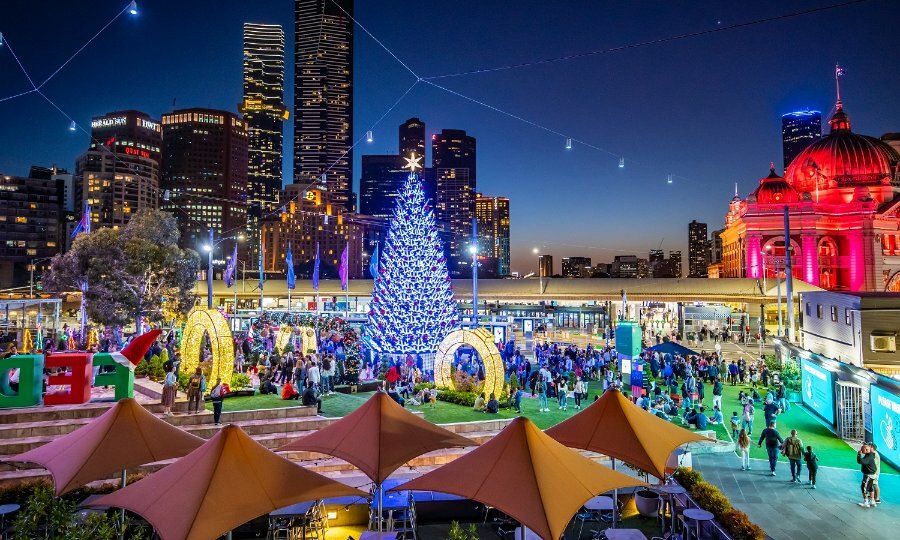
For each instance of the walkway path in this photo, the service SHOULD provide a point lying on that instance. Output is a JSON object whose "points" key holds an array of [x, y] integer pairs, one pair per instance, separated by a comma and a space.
{"points": [[789, 511]]}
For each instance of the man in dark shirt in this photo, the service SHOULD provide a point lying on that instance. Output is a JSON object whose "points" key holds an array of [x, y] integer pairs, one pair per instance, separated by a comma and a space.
{"points": [[770, 410], [773, 443], [311, 397], [866, 459]]}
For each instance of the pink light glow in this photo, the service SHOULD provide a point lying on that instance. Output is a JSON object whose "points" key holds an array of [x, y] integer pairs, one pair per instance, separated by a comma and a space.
{"points": [[810, 260], [753, 257], [857, 262]]}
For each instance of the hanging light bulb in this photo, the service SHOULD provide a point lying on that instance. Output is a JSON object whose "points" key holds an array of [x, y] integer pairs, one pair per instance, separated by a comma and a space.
{"points": [[669, 178], [132, 8], [369, 137], [621, 163], [1, 39], [569, 143], [72, 126]]}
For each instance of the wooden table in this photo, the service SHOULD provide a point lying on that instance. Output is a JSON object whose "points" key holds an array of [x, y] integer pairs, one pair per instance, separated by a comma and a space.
{"points": [[698, 515]]}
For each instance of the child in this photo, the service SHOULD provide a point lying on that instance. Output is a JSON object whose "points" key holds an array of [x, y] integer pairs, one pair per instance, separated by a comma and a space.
{"points": [[811, 465], [735, 425]]}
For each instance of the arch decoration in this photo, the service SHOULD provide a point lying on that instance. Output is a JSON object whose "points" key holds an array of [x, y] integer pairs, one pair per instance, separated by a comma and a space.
{"points": [[480, 339], [202, 321]]}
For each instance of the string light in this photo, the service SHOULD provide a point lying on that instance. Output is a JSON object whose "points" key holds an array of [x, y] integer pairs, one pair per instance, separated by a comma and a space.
{"points": [[369, 137], [569, 143], [73, 126], [202, 321], [669, 179], [621, 163], [482, 341], [132, 8]]}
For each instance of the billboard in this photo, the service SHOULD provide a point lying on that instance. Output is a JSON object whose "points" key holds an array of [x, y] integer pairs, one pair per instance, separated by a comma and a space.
{"points": [[817, 389], [886, 423]]}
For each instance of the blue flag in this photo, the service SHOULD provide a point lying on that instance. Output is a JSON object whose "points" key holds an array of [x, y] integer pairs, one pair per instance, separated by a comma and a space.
{"points": [[373, 264], [289, 262], [231, 268], [84, 226], [262, 257], [315, 277], [343, 270]]}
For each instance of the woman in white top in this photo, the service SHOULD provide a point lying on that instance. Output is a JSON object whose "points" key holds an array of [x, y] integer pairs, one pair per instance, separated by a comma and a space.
{"points": [[580, 390]]}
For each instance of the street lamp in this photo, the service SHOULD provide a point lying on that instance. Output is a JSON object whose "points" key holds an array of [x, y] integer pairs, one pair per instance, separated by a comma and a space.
{"points": [[209, 248], [473, 249]]}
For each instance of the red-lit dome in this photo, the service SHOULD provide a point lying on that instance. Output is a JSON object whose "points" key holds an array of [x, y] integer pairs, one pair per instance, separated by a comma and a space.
{"points": [[842, 159], [774, 189]]}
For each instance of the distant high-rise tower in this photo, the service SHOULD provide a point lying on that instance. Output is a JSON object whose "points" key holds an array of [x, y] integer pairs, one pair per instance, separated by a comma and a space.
{"points": [[492, 214], [698, 250], [381, 181], [799, 130], [545, 265], [323, 97], [264, 111], [453, 162], [412, 138]]}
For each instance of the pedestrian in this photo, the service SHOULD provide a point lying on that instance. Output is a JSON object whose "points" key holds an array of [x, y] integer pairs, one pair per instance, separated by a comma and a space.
{"points": [[876, 497], [773, 443], [793, 450], [743, 442], [217, 395], [193, 391], [866, 459], [747, 422], [562, 391], [717, 392], [542, 395], [169, 390], [735, 425], [311, 397], [579, 392], [812, 465]]}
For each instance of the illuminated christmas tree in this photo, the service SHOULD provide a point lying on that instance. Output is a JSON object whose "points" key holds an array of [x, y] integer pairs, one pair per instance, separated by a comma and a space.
{"points": [[412, 307]]}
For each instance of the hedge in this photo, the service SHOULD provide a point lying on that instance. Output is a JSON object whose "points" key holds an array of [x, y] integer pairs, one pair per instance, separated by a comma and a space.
{"points": [[711, 498]]}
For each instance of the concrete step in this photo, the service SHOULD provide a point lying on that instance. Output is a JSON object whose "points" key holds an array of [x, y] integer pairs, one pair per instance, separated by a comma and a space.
{"points": [[91, 409]]}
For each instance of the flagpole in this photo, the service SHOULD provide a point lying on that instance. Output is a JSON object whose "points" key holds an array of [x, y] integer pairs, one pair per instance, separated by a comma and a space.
{"points": [[347, 289]]}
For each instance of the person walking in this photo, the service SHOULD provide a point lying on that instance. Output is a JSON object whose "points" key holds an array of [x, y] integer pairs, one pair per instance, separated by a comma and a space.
{"points": [[542, 395], [717, 392], [876, 491], [866, 459], [773, 443], [217, 395], [812, 465], [747, 419], [169, 390], [793, 450], [193, 391], [743, 443], [562, 393], [579, 392]]}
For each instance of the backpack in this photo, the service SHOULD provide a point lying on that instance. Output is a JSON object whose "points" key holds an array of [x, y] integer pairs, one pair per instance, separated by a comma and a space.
{"points": [[792, 448]]}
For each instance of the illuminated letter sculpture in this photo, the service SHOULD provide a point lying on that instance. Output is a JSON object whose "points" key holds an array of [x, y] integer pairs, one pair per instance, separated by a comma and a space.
{"points": [[31, 380], [122, 379], [78, 380], [482, 341], [284, 337], [210, 321]]}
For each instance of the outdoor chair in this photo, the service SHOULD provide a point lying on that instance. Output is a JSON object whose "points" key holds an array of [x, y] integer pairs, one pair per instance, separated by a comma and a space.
{"points": [[280, 529]]}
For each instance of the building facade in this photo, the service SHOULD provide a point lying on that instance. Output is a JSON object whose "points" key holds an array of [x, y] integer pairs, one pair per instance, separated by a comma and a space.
{"points": [[382, 178], [698, 249], [323, 97], [845, 220], [576, 267], [453, 162], [412, 138], [492, 216], [205, 174], [799, 130], [545, 266], [265, 113], [120, 173]]}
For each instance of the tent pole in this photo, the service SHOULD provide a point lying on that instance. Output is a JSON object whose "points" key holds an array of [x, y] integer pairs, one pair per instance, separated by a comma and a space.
{"points": [[380, 501], [521, 531], [122, 511], [615, 497]]}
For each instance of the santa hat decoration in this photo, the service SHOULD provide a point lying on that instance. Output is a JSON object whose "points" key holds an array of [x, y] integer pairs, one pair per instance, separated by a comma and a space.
{"points": [[133, 352]]}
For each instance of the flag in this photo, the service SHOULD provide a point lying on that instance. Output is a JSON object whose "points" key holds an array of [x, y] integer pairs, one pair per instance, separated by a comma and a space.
{"points": [[342, 271], [231, 267], [373, 264], [289, 262], [315, 276], [84, 226], [262, 257]]}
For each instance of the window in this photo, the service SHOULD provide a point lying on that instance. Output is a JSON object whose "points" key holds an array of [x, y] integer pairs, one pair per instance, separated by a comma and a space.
{"points": [[847, 317], [819, 310], [833, 313]]}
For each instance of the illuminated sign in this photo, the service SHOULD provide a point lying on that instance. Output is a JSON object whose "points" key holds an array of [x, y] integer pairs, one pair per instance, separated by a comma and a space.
{"points": [[886, 423], [137, 152], [108, 122], [817, 389], [147, 124]]}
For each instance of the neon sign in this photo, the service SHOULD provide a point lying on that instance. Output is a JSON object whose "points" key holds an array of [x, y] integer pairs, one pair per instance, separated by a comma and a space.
{"points": [[137, 152], [108, 122], [147, 124]]}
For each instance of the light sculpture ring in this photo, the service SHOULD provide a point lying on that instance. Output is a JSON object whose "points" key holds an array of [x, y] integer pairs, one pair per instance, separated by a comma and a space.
{"points": [[308, 334], [284, 337], [482, 341], [202, 321]]}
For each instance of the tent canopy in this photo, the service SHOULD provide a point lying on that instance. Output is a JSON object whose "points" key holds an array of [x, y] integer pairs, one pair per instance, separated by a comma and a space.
{"points": [[616, 427], [378, 438], [527, 475], [228, 481], [125, 436], [670, 347]]}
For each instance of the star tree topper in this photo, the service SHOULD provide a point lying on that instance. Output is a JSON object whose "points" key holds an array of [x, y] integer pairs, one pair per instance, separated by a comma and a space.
{"points": [[412, 162]]}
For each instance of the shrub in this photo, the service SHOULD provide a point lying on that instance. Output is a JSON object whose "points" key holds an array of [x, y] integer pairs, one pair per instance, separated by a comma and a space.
{"points": [[513, 381], [142, 369], [456, 532], [687, 478], [287, 348], [710, 498], [156, 371], [239, 381], [740, 527], [183, 380], [464, 382]]}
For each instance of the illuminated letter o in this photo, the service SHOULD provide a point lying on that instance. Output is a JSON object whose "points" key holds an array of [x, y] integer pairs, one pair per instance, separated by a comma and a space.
{"points": [[210, 321], [482, 341]]}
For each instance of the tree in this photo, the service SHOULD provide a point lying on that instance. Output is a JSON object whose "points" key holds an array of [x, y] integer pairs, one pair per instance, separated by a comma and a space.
{"points": [[131, 273], [412, 308]]}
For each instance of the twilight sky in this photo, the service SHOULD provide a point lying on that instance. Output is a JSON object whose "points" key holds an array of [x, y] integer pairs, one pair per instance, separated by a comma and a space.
{"points": [[706, 109]]}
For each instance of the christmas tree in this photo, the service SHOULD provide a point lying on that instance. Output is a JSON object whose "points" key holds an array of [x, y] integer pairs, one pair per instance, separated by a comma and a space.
{"points": [[412, 307]]}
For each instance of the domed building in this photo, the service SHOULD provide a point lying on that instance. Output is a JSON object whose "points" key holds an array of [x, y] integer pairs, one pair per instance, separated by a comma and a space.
{"points": [[841, 193]]}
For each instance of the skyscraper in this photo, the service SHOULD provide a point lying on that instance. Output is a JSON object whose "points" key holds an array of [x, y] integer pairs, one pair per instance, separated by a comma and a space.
{"points": [[381, 180], [576, 267], [264, 112], [205, 173], [674, 263], [453, 161], [412, 138], [492, 215], [323, 97], [119, 174], [698, 250], [545, 266], [799, 130]]}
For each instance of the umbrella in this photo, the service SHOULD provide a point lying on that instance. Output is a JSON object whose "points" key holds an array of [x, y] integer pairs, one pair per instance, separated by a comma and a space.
{"points": [[378, 438], [527, 475], [227, 481], [670, 347], [616, 427]]}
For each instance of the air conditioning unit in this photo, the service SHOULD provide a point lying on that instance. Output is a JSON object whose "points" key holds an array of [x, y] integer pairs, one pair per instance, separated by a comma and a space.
{"points": [[883, 343]]}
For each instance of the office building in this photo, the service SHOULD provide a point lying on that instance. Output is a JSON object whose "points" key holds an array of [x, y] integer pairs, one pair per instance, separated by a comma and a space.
{"points": [[799, 130], [323, 97], [492, 216], [576, 267], [674, 264], [629, 267], [382, 179], [453, 161], [120, 172], [205, 174], [265, 113], [698, 249], [545, 265], [412, 138], [31, 211]]}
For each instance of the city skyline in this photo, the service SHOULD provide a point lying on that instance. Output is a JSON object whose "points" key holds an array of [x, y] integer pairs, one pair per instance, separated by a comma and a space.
{"points": [[731, 139]]}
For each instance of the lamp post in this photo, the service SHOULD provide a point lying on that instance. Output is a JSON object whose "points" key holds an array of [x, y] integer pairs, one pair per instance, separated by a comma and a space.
{"points": [[540, 272], [473, 249]]}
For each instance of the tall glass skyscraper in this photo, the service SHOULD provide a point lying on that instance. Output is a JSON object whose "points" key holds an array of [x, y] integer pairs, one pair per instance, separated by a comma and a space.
{"points": [[799, 130], [323, 97], [264, 112]]}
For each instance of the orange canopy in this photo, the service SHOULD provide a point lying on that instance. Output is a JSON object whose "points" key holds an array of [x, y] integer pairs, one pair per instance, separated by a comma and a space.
{"points": [[527, 475], [378, 438], [616, 427], [228, 481], [125, 436]]}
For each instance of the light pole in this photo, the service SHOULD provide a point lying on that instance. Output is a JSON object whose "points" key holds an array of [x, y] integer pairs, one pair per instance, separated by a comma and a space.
{"points": [[473, 249], [540, 272], [31, 278], [209, 248]]}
